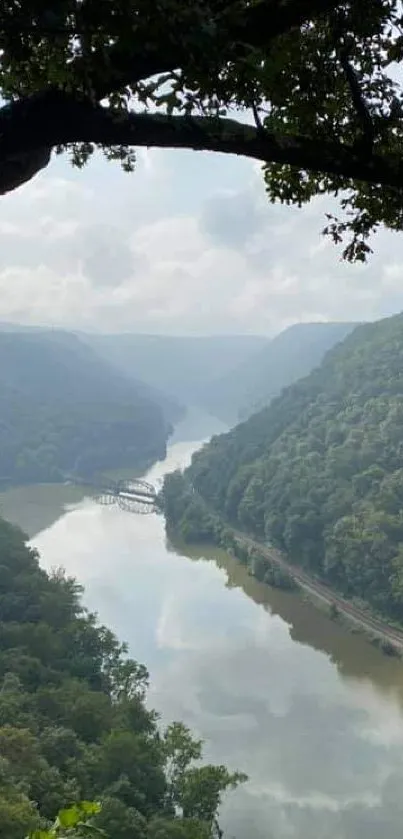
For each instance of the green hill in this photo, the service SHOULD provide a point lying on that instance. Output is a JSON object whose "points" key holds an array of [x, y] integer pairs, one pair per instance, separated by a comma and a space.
{"points": [[280, 362], [75, 725], [319, 473], [63, 410]]}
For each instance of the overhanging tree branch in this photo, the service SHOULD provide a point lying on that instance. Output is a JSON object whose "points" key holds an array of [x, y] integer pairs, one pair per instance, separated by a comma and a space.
{"points": [[115, 68], [269, 19], [359, 103], [257, 27], [47, 120], [224, 50]]}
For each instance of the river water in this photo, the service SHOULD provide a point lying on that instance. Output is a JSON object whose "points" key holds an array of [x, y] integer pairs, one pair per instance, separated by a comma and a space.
{"points": [[312, 713]]}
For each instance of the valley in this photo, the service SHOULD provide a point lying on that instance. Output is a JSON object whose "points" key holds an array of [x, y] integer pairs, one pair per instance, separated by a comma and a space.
{"points": [[206, 596], [272, 684], [318, 473], [201, 419]]}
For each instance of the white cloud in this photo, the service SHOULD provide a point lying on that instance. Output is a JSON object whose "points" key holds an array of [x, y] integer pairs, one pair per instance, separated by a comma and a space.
{"points": [[186, 244]]}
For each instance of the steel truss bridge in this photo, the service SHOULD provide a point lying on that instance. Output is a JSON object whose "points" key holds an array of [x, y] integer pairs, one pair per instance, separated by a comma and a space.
{"points": [[133, 495]]}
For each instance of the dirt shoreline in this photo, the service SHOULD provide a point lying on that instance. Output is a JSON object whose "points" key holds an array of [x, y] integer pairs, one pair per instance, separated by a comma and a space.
{"points": [[370, 625]]}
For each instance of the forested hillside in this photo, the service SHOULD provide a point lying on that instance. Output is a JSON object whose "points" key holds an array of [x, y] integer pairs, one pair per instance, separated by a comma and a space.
{"points": [[74, 723], [319, 473], [183, 366], [79, 347], [64, 410], [280, 362]]}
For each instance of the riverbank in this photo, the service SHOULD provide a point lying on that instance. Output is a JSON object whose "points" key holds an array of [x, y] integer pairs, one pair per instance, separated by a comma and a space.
{"points": [[338, 606], [186, 510], [311, 712]]}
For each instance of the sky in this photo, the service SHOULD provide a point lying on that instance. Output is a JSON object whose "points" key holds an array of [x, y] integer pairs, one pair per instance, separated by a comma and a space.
{"points": [[188, 244]]}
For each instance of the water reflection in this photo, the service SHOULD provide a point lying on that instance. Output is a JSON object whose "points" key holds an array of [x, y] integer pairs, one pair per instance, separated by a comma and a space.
{"points": [[350, 652], [260, 677], [323, 752], [313, 714], [35, 508]]}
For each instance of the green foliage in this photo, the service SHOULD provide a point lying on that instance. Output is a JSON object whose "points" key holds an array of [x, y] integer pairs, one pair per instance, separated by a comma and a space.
{"points": [[181, 751], [319, 472], [333, 611], [189, 515], [201, 792], [64, 410], [17, 813], [75, 727], [73, 822], [160, 828], [267, 571], [316, 75], [117, 819], [187, 512]]}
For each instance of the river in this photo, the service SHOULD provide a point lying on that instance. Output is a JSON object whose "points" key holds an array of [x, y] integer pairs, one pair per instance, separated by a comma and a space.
{"points": [[312, 713]]}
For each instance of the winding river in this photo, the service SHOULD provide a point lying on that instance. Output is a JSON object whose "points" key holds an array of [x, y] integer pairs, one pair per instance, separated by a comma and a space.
{"points": [[312, 713]]}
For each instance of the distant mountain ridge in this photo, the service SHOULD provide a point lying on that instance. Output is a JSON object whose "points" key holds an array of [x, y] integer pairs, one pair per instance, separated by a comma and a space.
{"points": [[181, 366], [63, 409], [289, 356], [228, 376], [77, 342]]}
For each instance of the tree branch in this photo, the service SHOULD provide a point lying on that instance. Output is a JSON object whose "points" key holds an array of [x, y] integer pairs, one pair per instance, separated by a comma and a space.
{"points": [[258, 26], [271, 18], [51, 119], [360, 105], [117, 68]]}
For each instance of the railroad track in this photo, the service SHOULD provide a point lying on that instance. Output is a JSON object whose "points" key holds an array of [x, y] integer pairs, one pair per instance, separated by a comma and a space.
{"points": [[323, 592], [307, 582]]}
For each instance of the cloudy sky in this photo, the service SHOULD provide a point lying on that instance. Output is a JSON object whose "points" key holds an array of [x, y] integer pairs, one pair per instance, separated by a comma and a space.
{"points": [[188, 244]]}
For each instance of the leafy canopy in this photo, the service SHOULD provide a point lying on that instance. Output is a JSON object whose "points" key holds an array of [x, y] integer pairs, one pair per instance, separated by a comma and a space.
{"points": [[315, 80], [75, 729], [73, 823], [318, 474]]}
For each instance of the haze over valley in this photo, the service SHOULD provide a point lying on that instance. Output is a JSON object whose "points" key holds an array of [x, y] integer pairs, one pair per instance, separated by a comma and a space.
{"points": [[76, 405], [201, 419], [250, 666]]}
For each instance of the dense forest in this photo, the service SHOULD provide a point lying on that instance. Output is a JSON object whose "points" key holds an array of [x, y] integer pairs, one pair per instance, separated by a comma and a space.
{"points": [[74, 724], [63, 411], [283, 360], [319, 473]]}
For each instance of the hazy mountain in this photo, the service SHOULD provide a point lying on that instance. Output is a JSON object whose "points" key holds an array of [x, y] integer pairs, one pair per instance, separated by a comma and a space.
{"points": [[173, 410], [181, 366], [64, 409], [280, 362]]}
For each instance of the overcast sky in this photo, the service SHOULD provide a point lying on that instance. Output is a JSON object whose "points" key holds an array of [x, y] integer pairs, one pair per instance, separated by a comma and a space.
{"points": [[187, 244]]}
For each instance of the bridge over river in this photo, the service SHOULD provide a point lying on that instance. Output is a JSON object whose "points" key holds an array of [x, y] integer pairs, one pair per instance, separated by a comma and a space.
{"points": [[133, 494]]}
